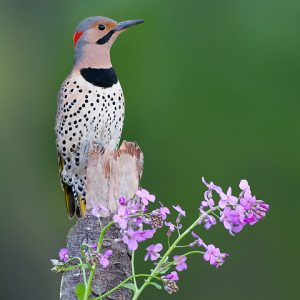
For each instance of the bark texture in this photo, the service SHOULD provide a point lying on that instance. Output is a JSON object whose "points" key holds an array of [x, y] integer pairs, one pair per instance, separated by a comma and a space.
{"points": [[109, 176]]}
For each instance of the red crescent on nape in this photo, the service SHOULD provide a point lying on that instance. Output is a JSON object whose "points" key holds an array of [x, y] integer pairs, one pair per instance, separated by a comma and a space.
{"points": [[77, 36]]}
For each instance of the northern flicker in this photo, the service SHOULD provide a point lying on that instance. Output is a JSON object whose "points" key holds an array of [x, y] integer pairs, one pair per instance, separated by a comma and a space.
{"points": [[90, 108]]}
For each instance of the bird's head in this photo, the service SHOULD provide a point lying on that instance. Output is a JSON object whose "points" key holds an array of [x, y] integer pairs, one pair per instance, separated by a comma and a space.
{"points": [[94, 37]]}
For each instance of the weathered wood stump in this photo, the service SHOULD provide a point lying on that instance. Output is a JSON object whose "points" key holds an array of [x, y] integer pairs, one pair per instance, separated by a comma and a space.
{"points": [[109, 176]]}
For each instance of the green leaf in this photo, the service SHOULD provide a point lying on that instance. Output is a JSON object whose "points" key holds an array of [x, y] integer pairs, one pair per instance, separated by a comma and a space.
{"points": [[79, 290], [158, 286], [129, 285]]}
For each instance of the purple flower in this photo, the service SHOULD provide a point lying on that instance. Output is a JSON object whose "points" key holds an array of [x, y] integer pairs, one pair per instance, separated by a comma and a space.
{"points": [[145, 196], [64, 254], [171, 276], [132, 238], [145, 234], [209, 221], [214, 256], [250, 218], [208, 202], [180, 262], [233, 219], [179, 210], [152, 251], [138, 221], [212, 186], [121, 217], [257, 212], [97, 209], [172, 228], [247, 201], [104, 258], [181, 213], [244, 186], [122, 201], [198, 241], [94, 246], [164, 211], [237, 212], [133, 208], [227, 198]]}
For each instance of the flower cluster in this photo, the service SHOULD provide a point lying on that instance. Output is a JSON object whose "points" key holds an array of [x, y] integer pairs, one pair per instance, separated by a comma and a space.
{"points": [[138, 223], [170, 282], [234, 212], [91, 255], [133, 216]]}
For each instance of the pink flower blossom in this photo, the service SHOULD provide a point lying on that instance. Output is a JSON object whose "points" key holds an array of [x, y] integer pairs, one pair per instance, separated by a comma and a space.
{"points": [[227, 198], [244, 186], [172, 228], [208, 202], [121, 217], [214, 256], [179, 210], [247, 201], [180, 262], [257, 212], [212, 186], [97, 208], [132, 238], [233, 219], [171, 276], [181, 213], [164, 211], [152, 252], [64, 254], [145, 196], [104, 258], [209, 221], [122, 201], [199, 242]]}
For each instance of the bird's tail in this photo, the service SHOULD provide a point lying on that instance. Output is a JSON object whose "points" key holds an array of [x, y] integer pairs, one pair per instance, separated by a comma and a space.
{"points": [[75, 203]]}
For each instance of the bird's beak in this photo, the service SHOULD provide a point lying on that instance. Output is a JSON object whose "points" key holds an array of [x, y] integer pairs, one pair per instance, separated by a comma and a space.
{"points": [[125, 24]]}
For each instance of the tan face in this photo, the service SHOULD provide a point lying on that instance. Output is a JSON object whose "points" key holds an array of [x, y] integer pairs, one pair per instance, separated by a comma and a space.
{"points": [[99, 30]]}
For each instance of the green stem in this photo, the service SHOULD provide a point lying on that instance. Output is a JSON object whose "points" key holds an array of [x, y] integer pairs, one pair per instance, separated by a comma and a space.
{"points": [[217, 216], [169, 251], [80, 265], [88, 285], [84, 256], [123, 282], [104, 230], [133, 271]]}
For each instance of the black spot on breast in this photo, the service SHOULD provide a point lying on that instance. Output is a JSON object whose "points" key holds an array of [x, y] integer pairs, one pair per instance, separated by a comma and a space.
{"points": [[100, 77]]}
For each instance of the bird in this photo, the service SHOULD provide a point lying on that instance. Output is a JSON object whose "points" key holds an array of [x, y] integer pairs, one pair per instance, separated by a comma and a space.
{"points": [[90, 106]]}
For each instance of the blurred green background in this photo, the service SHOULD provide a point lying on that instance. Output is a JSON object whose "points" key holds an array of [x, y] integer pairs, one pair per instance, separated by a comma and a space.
{"points": [[212, 89]]}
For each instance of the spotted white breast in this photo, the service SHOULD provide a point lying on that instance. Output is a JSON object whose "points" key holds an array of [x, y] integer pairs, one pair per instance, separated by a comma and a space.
{"points": [[88, 116]]}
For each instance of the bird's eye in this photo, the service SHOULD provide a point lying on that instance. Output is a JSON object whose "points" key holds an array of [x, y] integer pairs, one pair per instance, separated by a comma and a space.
{"points": [[101, 27]]}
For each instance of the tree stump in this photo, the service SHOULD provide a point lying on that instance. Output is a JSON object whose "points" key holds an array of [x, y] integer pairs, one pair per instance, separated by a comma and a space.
{"points": [[109, 176]]}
